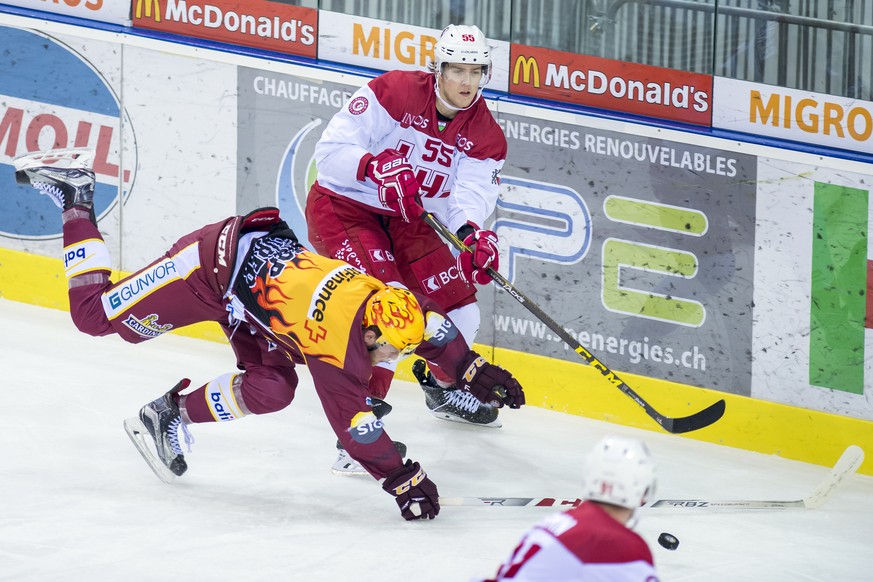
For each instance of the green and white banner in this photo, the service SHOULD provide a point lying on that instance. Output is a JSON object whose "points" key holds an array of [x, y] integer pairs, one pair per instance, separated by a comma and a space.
{"points": [[812, 288]]}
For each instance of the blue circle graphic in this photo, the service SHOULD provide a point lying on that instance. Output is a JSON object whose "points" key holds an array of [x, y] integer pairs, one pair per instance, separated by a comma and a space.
{"points": [[43, 86]]}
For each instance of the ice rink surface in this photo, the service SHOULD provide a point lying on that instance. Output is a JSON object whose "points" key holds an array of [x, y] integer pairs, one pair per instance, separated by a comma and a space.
{"points": [[259, 501]]}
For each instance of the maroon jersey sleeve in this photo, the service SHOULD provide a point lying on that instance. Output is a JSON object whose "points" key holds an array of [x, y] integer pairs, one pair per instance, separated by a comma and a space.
{"points": [[344, 397], [443, 345]]}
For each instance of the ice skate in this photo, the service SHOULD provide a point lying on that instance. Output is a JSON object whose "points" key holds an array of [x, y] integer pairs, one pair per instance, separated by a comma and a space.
{"points": [[160, 419], [65, 176], [345, 465], [453, 404]]}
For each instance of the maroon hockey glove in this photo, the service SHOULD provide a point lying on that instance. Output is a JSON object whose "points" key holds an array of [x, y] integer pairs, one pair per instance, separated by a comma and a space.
{"points": [[415, 494], [398, 186], [489, 383], [484, 253]]}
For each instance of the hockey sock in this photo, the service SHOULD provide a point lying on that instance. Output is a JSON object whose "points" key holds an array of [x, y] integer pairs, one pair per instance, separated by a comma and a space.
{"points": [[216, 401], [86, 258]]}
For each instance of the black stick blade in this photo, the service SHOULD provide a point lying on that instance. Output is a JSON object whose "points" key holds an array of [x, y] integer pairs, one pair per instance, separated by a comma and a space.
{"points": [[696, 421]]}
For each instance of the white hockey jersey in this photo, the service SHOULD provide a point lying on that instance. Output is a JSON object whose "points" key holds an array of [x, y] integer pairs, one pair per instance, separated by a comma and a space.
{"points": [[584, 544], [457, 163]]}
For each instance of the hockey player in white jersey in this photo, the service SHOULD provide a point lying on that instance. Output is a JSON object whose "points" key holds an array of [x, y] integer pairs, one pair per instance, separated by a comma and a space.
{"points": [[405, 141], [593, 541]]}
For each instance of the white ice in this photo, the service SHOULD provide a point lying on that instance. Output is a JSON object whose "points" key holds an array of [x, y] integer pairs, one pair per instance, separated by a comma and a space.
{"points": [[259, 501]]}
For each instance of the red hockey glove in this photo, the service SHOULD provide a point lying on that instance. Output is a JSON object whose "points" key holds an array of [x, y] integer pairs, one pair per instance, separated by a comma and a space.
{"points": [[489, 383], [398, 186], [484, 253], [415, 494]]}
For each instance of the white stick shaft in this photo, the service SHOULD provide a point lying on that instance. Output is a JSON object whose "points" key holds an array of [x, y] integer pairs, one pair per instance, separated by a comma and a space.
{"points": [[511, 501], [848, 463]]}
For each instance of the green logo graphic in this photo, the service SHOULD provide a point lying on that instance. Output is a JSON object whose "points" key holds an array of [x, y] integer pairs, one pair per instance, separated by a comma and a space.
{"points": [[838, 294], [619, 254]]}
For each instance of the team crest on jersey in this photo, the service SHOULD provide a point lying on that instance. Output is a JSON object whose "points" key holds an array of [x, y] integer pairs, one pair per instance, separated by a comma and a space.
{"points": [[148, 326], [495, 177], [358, 105], [268, 257]]}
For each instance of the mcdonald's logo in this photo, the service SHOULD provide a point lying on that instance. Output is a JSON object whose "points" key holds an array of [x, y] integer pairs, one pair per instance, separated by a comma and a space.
{"points": [[527, 68], [148, 9]]}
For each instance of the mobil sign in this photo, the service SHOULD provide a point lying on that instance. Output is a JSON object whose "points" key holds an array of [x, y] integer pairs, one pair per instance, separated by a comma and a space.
{"points": [[53, 96]]}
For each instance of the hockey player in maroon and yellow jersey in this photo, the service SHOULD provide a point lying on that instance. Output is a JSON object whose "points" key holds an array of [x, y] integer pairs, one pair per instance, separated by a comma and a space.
{"points": [[280, 305]]}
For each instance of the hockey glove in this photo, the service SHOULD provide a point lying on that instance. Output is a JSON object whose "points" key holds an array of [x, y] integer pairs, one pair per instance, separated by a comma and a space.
{"points": [[490, 384], [397, 184], [484, 253], [415, 494]]}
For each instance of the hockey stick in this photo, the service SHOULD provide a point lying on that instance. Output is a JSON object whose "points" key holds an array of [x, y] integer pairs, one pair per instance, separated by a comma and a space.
{"points": [[848, 463], [678, 425]]}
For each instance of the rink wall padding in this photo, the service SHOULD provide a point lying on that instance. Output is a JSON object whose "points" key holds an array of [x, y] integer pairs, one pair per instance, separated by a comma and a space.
{"points": [[567, 387]]}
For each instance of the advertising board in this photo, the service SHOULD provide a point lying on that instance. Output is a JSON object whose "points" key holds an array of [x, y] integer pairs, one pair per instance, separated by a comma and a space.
{"points": [[111, 11], [613, 85], [383, 45], [259, 24], [790, 114]]}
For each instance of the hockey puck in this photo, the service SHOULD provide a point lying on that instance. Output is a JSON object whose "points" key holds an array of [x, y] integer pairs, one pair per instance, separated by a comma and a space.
{"points": [[668, 541]]}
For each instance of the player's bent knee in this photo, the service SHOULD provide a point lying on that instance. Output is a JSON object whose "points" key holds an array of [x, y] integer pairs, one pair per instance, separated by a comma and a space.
{"points": [[268, 389]]}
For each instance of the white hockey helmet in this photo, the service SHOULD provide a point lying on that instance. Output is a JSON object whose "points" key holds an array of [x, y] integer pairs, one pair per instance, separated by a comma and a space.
{"points": [[464, 45], [620, 471]]}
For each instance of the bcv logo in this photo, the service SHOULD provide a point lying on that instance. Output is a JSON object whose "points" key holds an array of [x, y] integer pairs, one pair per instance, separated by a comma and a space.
{"points": [[435, 282]]}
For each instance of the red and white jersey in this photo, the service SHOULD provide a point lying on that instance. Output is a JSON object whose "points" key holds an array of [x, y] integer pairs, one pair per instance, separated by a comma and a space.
{"points": [[584, 544], [457, 163]]}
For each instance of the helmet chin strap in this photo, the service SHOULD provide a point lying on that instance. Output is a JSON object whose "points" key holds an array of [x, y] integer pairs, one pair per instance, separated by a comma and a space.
{"points": [[439, 96]]}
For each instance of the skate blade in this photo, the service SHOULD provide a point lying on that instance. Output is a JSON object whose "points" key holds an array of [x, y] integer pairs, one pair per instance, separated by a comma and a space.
{"points": [[347, 468], [496, 423], [346, 473], [68, 159], [138, 434]]}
